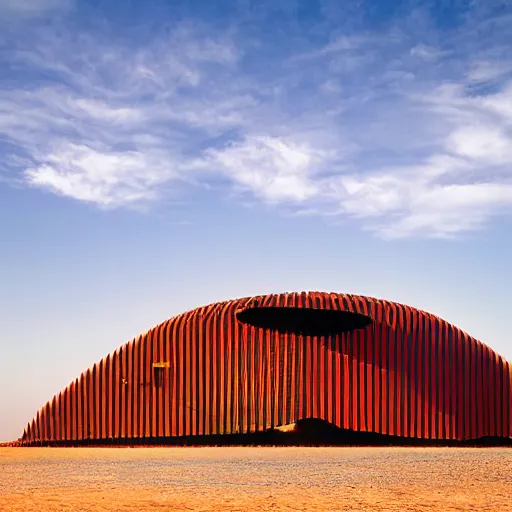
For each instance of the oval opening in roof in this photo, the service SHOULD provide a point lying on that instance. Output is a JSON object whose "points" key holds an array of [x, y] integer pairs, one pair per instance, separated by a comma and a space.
{"points": [[303, 321]]}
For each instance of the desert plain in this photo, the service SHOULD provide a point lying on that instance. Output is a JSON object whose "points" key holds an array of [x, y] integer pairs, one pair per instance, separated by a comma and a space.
{"points": [[255, 479]]}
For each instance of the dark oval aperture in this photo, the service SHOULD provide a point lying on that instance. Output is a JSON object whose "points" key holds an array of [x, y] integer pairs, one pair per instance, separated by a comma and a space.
{"points": [[304, 321]]}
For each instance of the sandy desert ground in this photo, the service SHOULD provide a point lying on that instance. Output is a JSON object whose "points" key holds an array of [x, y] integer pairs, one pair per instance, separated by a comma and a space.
{"points": [[260, 479]]}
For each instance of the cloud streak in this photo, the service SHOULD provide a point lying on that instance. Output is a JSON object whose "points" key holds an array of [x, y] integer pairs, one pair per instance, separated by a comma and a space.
{"points": [[31, 8], [406, 135]]}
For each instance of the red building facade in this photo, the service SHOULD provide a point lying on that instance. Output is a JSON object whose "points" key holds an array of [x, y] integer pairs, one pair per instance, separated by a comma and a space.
{"points": [[256, 363]]}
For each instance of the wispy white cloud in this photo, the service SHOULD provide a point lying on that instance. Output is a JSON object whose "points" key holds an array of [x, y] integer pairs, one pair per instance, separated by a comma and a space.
{"points": [[24, 9], [272, 168], [108, 178], [340, 45], [458, 187], [426, 52], [393, 129], [115, 125]]}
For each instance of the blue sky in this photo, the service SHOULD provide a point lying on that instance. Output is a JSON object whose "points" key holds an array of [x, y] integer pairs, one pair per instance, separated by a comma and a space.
{"points": [[156, 156]]}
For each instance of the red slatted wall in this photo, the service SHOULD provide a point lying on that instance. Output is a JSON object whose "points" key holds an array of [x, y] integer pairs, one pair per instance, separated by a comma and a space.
{"points": [[408, 374]]}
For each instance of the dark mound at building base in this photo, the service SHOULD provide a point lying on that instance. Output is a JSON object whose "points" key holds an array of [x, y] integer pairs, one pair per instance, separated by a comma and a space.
{"points": [[308, 432]]}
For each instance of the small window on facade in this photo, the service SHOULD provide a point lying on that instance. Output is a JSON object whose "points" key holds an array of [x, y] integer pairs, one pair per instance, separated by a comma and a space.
{"points": [[159, 372]]}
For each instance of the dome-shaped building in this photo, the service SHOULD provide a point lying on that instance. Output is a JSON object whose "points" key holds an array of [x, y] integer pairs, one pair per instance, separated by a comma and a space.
{"points": [[253, 364]]}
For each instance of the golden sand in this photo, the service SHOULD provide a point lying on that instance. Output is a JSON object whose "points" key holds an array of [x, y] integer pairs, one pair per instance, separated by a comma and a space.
{"points": [[259, 479]]}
